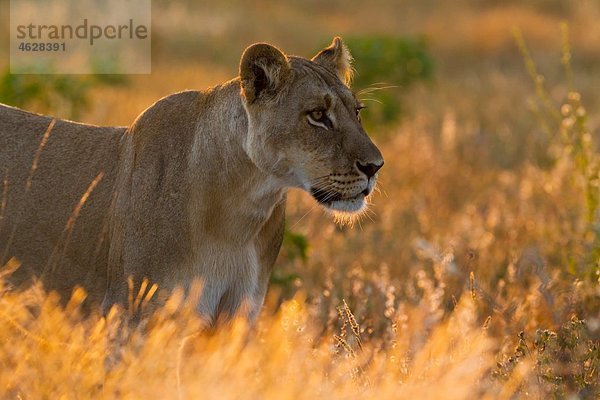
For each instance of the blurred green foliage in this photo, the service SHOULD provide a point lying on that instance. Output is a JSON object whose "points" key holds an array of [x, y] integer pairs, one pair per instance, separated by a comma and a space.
{"points": [[386, 67], [64, 94], [570, 137], [566, 362], [295, 247]]}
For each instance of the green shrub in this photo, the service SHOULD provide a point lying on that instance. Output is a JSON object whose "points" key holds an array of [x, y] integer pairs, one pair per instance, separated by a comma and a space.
{"points": [[566, 362], [63, 94], [386, 67], [571, 138]]}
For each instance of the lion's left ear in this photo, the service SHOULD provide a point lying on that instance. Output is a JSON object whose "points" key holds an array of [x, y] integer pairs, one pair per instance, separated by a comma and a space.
{"points": [[264, 71], [338, 59]]}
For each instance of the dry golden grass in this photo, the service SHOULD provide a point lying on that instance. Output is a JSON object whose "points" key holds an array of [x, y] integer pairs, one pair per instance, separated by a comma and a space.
{"points": [[474, 275], [56, 354]]}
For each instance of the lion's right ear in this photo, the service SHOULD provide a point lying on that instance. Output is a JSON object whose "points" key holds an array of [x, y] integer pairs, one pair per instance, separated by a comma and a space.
{"points": [[264, 70], [337, 59]]}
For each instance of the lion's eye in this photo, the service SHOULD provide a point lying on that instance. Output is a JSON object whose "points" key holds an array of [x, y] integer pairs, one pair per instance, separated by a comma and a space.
{"points": [[317, 115], [319, 118], [358, 111]]}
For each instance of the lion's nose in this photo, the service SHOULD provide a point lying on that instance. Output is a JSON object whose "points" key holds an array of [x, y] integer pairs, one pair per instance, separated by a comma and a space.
{"points": [[369, 169]]}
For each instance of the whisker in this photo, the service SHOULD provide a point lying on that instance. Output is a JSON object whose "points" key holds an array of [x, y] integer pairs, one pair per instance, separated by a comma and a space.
{"points": [[328, 196], [375, 87], [366, 212], [320, 179], [302, 217], [323, 187], [369, 209], [370, 99]]}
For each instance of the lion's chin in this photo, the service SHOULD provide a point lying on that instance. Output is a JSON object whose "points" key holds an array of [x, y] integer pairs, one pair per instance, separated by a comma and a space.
{"points": [[353, 205], [347, 212]]}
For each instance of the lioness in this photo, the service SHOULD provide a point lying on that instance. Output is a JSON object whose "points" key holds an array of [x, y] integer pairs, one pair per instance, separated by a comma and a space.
{"points": [[194, 188]]}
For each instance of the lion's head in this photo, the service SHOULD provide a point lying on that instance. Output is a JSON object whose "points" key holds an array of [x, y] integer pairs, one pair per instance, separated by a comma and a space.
{"points": [[304, 124]]}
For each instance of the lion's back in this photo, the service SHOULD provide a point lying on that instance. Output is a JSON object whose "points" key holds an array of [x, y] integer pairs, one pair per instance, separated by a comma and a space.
{"points": [[57, 178]]}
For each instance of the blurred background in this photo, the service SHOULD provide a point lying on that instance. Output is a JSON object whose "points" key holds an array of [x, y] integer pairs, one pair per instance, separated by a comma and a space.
{"points": [[487, 114]]}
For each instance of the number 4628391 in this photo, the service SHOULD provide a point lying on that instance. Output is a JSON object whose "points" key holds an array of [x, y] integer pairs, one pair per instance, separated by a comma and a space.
{"points": [[26, 46]]}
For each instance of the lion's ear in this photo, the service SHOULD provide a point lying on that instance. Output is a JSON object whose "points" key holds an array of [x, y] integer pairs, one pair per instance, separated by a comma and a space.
{"points": [[337, 58], [264, 70]]}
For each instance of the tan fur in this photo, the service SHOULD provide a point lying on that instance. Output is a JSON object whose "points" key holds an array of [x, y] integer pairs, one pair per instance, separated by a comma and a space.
{"points": [[194, 189]]}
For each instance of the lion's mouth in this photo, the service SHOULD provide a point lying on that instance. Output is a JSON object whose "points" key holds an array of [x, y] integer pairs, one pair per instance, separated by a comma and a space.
{"points": [[336, 200], [325, 196]]}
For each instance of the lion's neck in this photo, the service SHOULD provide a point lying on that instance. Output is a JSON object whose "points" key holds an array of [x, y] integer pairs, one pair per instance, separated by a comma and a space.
{"points": [[231, 198]]}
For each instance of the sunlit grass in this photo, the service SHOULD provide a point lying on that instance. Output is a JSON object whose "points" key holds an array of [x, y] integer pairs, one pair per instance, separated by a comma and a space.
{"points": [[54, 352], [474, 274]]}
